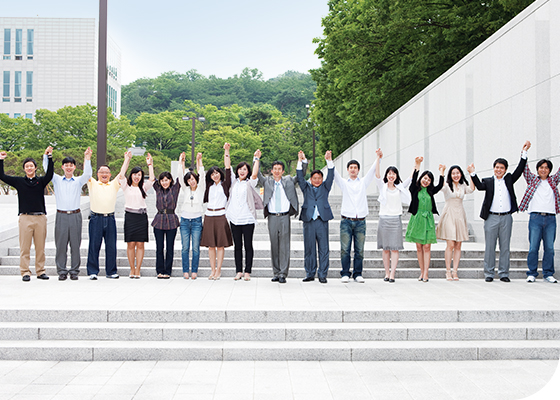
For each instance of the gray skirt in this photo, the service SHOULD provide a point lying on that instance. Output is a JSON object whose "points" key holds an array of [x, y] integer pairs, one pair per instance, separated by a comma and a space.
{"points": [[390, 233]]}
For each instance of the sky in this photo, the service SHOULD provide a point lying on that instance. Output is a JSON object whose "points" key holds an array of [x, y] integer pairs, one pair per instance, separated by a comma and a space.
{"points": [[215, 37]]}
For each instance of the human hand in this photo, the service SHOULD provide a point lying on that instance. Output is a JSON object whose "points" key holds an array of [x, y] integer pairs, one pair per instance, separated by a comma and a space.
{"points": [[328, 155], [149, 160], [257, 153], [3, 155], [48, 151], [88, 153], [301, 155], [526, 145], [470, 168], [379, 153], [441, 169], [182, 157], [227, 146], [127, 155]]}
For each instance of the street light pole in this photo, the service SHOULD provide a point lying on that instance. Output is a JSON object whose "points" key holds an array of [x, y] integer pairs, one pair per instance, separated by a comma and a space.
{"points": [[102, 86], [313, 129], [201, 119]]}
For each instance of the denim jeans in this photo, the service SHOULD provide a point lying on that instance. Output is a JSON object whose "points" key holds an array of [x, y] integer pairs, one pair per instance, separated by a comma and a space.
{"points": [[164, 264], [541, 228], [349, 230], [100, 228], [190, 228]]}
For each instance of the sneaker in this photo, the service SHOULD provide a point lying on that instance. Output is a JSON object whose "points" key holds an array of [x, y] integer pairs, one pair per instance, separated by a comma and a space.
{"points": [[530, 279], [345, 279], [115, 276], [550, 279], [93, 277], [359, 279]]}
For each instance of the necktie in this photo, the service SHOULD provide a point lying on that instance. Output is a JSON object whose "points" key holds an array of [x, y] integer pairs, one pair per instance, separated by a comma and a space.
{"points": [[316, 209], [278, 198]]}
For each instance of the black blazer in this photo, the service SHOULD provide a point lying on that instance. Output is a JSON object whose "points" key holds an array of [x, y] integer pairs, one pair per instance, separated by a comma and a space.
{"points": [[414, 189], [487, 184]]}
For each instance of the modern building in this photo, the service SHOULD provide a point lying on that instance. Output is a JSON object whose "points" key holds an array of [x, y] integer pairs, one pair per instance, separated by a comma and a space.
{"points": [[51, 63]]}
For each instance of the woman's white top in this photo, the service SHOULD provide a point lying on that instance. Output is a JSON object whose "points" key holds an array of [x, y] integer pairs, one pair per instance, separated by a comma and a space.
{"points": [[217, 200], [391, 201], [193, 201], [238, 211]]}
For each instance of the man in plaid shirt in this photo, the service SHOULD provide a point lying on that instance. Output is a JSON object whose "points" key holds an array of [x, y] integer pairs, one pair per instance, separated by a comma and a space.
{"points": [[542, 201]]}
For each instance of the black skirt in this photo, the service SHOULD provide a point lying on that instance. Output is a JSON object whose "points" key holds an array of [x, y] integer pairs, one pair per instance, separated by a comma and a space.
{"points": [[135, 227]]}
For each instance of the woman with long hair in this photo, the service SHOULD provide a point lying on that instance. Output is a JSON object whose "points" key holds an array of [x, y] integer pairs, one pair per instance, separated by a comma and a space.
{"points": [[216, 234], [452, 225], [421, 227], [135, 211], [191, 214], [393, 193]]}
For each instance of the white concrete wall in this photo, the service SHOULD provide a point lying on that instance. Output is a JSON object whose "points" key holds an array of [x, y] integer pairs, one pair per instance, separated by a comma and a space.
{"points": [[501, 94]]}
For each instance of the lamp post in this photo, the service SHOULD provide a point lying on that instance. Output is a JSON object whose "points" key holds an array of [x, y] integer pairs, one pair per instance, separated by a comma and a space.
{"points": [[102, 86], [201, 119], [308, 107]]}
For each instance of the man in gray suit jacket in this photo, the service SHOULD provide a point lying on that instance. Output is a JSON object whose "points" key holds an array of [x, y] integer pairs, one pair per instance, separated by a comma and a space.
{"points": [[316, 213], [280, 202]]}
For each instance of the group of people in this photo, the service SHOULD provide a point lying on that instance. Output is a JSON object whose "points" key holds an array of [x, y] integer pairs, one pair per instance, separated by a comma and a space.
{"points": [[228, 201]]}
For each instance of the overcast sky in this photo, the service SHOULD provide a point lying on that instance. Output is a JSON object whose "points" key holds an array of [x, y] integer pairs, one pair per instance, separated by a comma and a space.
{"points": [[215, 37]]}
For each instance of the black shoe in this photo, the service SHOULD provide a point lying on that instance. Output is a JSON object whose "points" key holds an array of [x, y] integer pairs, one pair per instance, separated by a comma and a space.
{"points": [[281, 279], [74, 277], [275, 279], [309, 279], [62, 277], [393, 281], [505, 279], [386, 279], [44, 277], [489, 279], [323, 280], [26, 278]]}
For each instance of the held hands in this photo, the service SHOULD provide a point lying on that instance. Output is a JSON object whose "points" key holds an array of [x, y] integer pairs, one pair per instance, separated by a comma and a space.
{"points": [[418, 161], [48, 151], [257, 154], [441, 169], [149, 160], [3, 155], [227, 146], [88, 153], [470, 168], [328, 155], [379, 153], [526, 145], [301, 155], [127, 156], [198, 157], [182, 157]]}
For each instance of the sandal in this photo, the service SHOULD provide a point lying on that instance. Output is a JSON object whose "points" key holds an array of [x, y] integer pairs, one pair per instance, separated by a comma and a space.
{"points": [[238, 276], [448, 275], [166, 276], [160, 276], [186, 275], [193, 276], [455, 276], [247, 277]]}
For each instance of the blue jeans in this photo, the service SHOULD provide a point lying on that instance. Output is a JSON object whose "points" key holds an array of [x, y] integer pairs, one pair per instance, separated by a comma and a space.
{"points": [[164, 264], [352, 230], [100, 228], [190, 228], [541, 228]]}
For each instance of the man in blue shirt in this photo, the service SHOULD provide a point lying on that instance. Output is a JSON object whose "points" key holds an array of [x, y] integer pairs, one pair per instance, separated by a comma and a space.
{"points": [[68, 223]]}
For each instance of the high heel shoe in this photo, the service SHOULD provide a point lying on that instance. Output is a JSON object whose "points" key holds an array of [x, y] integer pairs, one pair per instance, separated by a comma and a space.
{"points": [[455, 276], [448, 275], [238, 276]]}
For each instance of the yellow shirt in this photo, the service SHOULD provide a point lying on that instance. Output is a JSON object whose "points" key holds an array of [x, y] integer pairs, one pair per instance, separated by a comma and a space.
{"points": [[103, 196]]}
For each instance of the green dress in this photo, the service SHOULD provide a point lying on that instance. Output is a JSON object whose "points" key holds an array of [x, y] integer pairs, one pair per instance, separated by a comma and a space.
{"points": [[421, 227]]}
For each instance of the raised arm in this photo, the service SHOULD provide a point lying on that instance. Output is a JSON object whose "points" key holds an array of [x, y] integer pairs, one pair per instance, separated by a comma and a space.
{"points": [[87, 166], [150, 162], [417, 163], [50, 169], [227, 160], [299, 171], [379, 157], [256, 164], [330, 174], [522, 162], [199, 166], [438, 187], [124, 168]]}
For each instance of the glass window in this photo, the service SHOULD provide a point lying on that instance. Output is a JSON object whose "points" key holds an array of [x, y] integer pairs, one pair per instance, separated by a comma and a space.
{"points": [[6, 91], [29, 116], [29, 91], [17, 84], [17, 115], [30, 39], [19, 40], [7, 42]]}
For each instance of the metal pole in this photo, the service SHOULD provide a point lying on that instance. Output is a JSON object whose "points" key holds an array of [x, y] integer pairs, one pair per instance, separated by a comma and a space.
{"points": [[102, 86], [192, 143], [313, 147]]}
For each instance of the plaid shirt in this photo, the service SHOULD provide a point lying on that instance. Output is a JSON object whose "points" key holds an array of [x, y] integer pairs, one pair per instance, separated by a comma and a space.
{"points": [[532, 184], [166, 199]]}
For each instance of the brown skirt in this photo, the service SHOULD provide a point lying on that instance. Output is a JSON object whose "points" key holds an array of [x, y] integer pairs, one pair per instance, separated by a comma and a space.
{"points": [[216, 232]]}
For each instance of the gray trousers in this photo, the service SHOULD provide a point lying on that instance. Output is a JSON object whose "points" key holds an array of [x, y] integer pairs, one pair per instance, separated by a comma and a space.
{"points": [[68, 229], [279, 230], [497, 227]]}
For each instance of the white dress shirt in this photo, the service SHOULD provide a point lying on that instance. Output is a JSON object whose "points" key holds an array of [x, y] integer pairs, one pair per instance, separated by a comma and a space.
{"points": [[354, 194], [284, 203]]}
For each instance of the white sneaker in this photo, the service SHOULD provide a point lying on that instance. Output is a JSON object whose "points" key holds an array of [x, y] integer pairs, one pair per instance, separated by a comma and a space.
{"points": [[530, 279], [550, 279], [345, 279], [93, 277], [114, 276], [359, 279]]}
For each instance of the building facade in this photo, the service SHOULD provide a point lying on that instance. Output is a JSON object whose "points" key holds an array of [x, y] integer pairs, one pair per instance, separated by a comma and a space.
{"points": [[50, 63]]}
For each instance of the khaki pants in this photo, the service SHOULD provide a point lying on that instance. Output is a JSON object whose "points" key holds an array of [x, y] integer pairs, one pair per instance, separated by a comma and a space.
{"points": [[32, 227]]}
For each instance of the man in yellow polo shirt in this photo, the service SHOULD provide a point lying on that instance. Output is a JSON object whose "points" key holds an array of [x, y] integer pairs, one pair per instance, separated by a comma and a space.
{"points": [[102, 197]]}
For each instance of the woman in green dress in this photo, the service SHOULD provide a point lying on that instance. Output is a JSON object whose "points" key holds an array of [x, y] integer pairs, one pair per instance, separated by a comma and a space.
{"points": [[421, 227]]}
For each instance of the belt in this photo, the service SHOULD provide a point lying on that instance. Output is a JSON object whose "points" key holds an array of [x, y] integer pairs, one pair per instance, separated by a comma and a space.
{"points": [[33, 213], [69, 212], [167, 211], [216, 209], [102, 215], [544, 214], [353, 219], [504, 213], [279, 214]]}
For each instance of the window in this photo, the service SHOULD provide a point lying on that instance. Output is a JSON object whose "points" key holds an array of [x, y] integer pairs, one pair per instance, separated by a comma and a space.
{"points": [[30, 40], [17, 86], [29, 116], [19, 40], [7, 43], [6, 87], [29, 88], [16, 115]]}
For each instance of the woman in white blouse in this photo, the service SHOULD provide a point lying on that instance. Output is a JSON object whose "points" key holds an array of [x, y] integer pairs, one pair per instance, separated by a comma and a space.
{"points": [[242, 212], [135, 211], [393, 193], [216, 234], [191, 213]]}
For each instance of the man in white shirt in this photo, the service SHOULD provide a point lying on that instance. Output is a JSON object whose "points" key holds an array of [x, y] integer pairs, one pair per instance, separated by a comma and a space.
{"points": [[498, 205], [542, 201], [68, 224], [353, 215]]}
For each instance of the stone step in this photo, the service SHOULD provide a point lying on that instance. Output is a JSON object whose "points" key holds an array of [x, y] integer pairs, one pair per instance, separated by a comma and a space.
{"points": [[329, 332], [103, 350]]}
